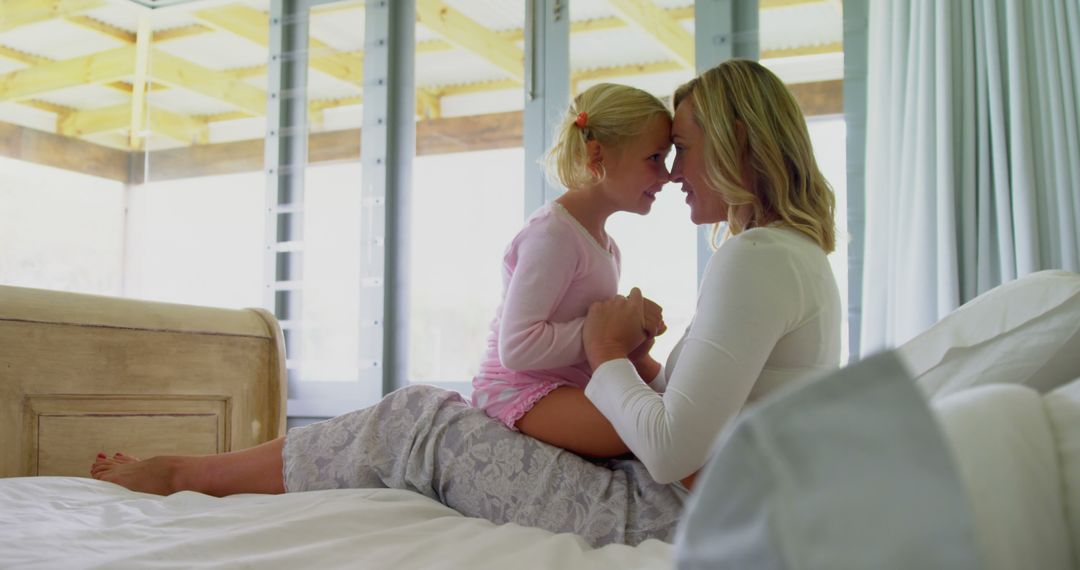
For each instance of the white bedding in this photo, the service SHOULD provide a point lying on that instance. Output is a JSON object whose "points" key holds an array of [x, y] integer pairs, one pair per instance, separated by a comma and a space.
{"points": [[66, 522]]}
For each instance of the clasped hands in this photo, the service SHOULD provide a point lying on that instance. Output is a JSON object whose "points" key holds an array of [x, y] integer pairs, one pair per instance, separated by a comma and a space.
{"points": [[622, 327]]}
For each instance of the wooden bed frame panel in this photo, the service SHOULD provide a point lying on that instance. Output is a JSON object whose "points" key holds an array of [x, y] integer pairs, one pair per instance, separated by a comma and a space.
{"points": [[82, 373]]}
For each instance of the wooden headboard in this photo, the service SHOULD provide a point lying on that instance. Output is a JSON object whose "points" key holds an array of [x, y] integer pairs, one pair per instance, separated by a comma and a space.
{"points": [[83, 373]]}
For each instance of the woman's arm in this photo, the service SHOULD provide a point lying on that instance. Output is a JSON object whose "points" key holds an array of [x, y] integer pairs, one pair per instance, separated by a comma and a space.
{"points": [[743, 309]]}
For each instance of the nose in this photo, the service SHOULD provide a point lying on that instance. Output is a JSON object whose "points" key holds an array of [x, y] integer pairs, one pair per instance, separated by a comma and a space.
{"points": [[676, 174]]}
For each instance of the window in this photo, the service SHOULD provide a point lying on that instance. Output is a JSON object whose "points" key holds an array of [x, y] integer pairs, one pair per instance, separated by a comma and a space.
{"points": [[168, 177], [124, 183], [60, 229], [829, 137], [468, 189], [803, 44], [466, 209]]}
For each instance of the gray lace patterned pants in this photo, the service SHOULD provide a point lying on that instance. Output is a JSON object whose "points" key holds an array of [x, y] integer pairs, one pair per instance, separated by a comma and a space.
{"points": [[429, 440]]}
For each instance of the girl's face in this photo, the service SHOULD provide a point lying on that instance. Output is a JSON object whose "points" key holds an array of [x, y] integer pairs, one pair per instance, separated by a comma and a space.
{"points": [[636, 172], [707, 206]]}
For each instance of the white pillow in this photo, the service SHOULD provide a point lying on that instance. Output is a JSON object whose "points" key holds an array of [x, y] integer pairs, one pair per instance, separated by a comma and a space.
{"points": [[1026, 331], [848, 470], [1063, 408], [1007, 457]]}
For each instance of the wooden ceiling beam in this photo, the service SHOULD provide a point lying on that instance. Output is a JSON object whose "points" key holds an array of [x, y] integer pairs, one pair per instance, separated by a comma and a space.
{"points": [[34, 60], [660, 26], [437, 136], [467, 34], [773, 4], [40, 147], [819, 98], [97, 68], [18, 13], [428, 104], [337, 7], [626, 71], [323, 104], [59, 110], [180, 73], [679, 14], [254, 26], [23, 57], [179, 32], [93, 24], [81, 123], [837, 47], [227, 116], [581, 27], [183, 128], [239, 20], [250, 71], [139, 81], [482, 87]]}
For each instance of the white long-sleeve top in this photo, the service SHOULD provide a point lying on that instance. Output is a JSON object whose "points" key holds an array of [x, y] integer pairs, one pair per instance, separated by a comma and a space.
{"points": [[768, 311]]}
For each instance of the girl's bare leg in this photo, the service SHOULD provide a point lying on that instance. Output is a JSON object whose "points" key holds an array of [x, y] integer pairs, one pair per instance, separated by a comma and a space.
{"points": [[566, 418], [254, 470]]}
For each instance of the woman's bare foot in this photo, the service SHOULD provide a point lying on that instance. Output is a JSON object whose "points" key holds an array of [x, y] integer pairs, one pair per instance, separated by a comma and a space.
{"points": [[256, 469], [163, 475]]}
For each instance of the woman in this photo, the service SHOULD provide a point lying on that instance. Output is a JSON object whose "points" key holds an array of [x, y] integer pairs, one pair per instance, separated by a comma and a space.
{"points": [[744, 157], [768, 307]]}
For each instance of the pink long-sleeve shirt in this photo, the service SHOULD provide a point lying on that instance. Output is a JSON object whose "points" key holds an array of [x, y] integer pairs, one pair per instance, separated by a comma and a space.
{"points": [[552, 271]]}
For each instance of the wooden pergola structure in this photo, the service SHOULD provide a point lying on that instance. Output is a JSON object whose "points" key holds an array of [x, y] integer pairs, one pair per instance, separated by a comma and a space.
{"points": [[111, 141]]}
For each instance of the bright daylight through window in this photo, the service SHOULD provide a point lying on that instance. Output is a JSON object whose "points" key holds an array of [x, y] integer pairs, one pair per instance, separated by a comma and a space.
{"points": [[148, 176]]}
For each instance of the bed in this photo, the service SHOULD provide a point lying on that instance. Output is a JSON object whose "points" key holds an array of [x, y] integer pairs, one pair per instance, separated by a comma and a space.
{"points": [[80, 373], [68, 522]]}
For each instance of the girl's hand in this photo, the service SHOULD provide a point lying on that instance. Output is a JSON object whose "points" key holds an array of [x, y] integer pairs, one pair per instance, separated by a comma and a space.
{"points": [[653, 317], [614, 328], [647, 366], [641, 352]]}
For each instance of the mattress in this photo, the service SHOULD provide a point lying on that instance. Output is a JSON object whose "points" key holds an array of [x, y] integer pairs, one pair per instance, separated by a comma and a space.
{"points": [[70, 522]]}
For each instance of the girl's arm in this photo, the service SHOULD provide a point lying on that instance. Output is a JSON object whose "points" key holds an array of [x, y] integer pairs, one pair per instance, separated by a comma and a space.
{"points": [[545, 266]]}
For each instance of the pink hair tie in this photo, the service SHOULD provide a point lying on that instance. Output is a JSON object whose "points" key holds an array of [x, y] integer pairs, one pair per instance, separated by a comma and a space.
{"points": [[582, 117]]}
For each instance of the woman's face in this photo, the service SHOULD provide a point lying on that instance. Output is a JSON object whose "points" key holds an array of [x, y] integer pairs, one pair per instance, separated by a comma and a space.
{"points": [[706, 204]]}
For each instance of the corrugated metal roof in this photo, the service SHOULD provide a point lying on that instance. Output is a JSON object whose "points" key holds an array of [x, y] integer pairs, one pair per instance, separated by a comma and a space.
{"points": [[442, 68]]}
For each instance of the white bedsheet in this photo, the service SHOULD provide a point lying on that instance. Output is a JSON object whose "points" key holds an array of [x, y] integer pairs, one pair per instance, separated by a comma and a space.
{"points": [[67, 522]]}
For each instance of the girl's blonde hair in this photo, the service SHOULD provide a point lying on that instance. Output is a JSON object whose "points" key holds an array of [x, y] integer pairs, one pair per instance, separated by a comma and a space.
{"points": [[613, 114], [741, 104]]}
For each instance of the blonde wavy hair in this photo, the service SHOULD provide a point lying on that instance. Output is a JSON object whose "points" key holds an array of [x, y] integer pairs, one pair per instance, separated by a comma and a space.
{"points": [[741, 104], [614, 114]]}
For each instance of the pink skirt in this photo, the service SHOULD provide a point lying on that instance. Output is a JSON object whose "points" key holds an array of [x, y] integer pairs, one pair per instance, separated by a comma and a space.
{"points": [[507, 395]]}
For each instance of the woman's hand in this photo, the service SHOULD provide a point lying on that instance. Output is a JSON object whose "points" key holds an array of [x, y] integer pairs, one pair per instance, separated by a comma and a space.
{"points": [[614, 328]]}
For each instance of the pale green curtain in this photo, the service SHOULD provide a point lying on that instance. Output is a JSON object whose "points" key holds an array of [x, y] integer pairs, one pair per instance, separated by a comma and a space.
{"points": [[972, 154]]}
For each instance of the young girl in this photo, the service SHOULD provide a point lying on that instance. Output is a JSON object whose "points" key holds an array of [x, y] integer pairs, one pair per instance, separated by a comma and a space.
{"points": [[610, 158]]}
